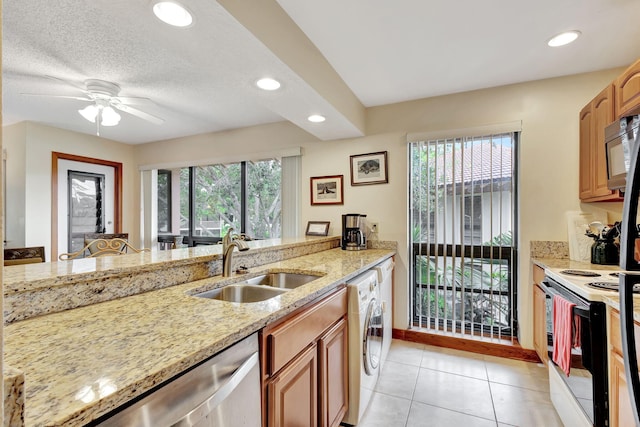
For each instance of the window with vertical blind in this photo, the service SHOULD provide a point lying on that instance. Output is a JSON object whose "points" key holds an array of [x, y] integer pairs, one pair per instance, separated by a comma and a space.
{"points": [[463, 217]]}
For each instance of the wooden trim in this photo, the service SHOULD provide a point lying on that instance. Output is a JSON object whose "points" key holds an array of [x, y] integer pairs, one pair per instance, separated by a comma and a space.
{"points": [[117, 199], [507, 348]]}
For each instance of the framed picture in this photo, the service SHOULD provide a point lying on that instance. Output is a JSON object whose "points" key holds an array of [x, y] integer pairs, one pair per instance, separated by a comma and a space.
{"points": [[317, 228], [369, 168], [327, 190]]}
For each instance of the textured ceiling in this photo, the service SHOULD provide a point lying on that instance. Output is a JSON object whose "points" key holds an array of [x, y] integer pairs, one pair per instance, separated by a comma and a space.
{"points": [[333, 57]]}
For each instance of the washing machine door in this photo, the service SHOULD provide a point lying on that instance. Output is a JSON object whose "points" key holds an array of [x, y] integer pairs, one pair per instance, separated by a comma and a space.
{"points": [[373, 330]]}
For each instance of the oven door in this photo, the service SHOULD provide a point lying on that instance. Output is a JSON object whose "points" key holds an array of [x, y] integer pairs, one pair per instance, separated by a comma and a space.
{"points": [[587, 380]]}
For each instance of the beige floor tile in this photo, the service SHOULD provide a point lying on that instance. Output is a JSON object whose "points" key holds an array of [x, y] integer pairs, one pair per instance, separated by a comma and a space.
{"points": [[517, 373], [422, 415], [386, 411], [405, 352], [523, 407], [397, 379], [455, 392], [454, 361]]}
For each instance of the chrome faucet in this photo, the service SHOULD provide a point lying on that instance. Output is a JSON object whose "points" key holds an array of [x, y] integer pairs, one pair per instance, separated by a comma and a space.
{"points": [[228, 243]]}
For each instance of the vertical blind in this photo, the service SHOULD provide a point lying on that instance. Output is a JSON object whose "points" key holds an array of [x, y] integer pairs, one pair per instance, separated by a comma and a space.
{"points": [[463, 241]]}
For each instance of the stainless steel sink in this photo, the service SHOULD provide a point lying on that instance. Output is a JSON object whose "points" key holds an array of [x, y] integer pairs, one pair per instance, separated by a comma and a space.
{"points": [[242, 292], [282, 280]]}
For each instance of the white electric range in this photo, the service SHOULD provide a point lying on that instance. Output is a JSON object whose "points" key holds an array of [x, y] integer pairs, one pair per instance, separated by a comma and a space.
{"points": [[583, 285]]}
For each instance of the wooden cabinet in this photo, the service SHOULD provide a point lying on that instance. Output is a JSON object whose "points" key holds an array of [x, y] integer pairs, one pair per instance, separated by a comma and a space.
{"points": [[293, 392], [333, 370], [594, 117], [628, 91], [304, 360], [539, 316], [620, 414]]}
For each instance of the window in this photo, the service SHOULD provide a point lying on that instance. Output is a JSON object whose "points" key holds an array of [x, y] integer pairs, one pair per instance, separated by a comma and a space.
{"points": [[463, 216], [244, 196], [164, 201]]}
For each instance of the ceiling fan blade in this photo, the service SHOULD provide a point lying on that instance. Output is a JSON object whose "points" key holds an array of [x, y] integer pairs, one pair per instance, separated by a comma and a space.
{"points": [[68, 82], [134, 100], [135, 112], [79, 98]]}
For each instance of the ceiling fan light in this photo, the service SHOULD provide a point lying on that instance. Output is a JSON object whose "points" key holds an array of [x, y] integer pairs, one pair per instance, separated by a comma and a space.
{"points": [[109, 117], [173, 14], [90, 112]]}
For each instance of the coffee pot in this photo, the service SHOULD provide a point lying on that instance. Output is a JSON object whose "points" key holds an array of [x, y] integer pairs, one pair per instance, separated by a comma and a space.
{"points": [[353, 232]]}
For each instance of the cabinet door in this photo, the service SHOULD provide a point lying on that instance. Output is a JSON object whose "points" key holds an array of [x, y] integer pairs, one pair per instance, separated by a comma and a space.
{"points": [[540, 323], [586, 164], [602, 107], [333, 375], [620, 406], [628, 91], [293, 393]]}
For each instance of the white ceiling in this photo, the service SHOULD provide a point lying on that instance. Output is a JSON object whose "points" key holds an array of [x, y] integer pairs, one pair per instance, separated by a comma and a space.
{"points": [[359, 53]]}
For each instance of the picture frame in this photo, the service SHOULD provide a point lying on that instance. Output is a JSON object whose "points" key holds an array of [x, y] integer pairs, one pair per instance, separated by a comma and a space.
{"points": [[317, 228], [327, 190], [370, 168]]}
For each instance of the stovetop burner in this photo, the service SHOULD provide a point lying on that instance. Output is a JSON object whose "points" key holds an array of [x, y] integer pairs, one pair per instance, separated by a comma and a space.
{"points": [[612, 286], [582, 273], [615, 274]]}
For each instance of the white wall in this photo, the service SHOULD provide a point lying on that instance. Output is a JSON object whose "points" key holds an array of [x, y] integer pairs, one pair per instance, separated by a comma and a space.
{"points": [[29, 219]]}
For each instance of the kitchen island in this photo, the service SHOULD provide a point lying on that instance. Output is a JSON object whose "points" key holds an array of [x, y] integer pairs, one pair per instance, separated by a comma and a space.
{"points": [[81, 363]]}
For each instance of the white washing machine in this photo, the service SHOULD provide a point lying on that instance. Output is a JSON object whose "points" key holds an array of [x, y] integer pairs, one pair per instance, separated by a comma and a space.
{"points": [[365, 342], [385, 283]]}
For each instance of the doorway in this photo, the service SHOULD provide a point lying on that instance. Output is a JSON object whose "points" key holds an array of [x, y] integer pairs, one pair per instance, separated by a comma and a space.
{"points": [[86, 197], [86, 209]]}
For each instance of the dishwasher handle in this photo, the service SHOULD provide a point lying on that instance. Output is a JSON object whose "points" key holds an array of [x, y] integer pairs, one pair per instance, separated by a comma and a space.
{"points": [[221, 393]]}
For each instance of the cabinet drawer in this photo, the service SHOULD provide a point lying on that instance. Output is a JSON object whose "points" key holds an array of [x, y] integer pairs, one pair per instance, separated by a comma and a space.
{"points": [[285, 341]]}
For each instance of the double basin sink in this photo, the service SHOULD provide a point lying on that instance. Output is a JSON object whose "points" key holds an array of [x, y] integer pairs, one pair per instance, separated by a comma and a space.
{"points": [[259, 288]]}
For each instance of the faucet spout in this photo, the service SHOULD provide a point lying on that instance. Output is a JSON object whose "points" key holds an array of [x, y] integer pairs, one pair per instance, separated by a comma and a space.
{"points": [[228, 243]]}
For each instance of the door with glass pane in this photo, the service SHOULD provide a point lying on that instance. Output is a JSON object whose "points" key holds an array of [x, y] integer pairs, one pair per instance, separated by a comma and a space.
{"points": [[463, 223], [86, 207]]}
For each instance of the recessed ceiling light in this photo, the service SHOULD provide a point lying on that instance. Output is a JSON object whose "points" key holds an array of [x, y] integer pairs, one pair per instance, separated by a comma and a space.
{"points": [[268, 84], [316, 118], [172, 13], [564, 38]]}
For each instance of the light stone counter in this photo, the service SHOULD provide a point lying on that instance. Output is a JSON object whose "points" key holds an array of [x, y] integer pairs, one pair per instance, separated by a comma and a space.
{"points": [[35, 289], [80, 364]]}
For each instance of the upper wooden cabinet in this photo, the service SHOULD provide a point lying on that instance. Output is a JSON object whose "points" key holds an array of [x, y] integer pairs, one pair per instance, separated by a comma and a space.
{"points": [[628, 91], [594, 117]]}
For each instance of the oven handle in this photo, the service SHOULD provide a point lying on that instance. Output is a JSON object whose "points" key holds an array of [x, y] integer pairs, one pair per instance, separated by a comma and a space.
{"points": [[580, 309]]}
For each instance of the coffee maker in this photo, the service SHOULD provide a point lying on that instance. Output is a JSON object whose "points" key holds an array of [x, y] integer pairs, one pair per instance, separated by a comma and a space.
{"points": [[353, 232]]}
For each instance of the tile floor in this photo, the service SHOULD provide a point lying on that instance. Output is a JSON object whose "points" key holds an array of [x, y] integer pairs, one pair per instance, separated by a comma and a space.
{"points": [[422, 385]]}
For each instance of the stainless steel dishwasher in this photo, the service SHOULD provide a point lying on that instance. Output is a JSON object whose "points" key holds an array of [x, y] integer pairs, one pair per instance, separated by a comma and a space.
{"points": [[223, 391]]}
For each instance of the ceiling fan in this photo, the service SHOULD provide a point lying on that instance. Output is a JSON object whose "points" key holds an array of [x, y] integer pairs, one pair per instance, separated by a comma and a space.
{"points": [[104, 99]]}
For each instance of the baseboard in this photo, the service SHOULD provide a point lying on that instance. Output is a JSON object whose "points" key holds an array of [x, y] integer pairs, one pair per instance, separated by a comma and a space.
{"points": [[509, 349]]}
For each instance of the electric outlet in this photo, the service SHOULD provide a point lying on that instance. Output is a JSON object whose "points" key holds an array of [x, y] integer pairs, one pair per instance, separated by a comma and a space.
{"points": [[374, 227]]}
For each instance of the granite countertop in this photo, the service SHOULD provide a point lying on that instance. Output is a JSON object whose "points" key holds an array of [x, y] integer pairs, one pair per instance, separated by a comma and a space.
{"points": [[82, 363]]}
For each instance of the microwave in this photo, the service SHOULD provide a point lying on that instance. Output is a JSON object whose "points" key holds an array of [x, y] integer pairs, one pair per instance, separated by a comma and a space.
{"points": [[619, 138]]}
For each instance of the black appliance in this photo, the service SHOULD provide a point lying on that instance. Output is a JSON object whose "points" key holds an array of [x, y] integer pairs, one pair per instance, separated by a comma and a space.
{"points": [[353, 232], [619, 138], [630, 264], [589, 362]]}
